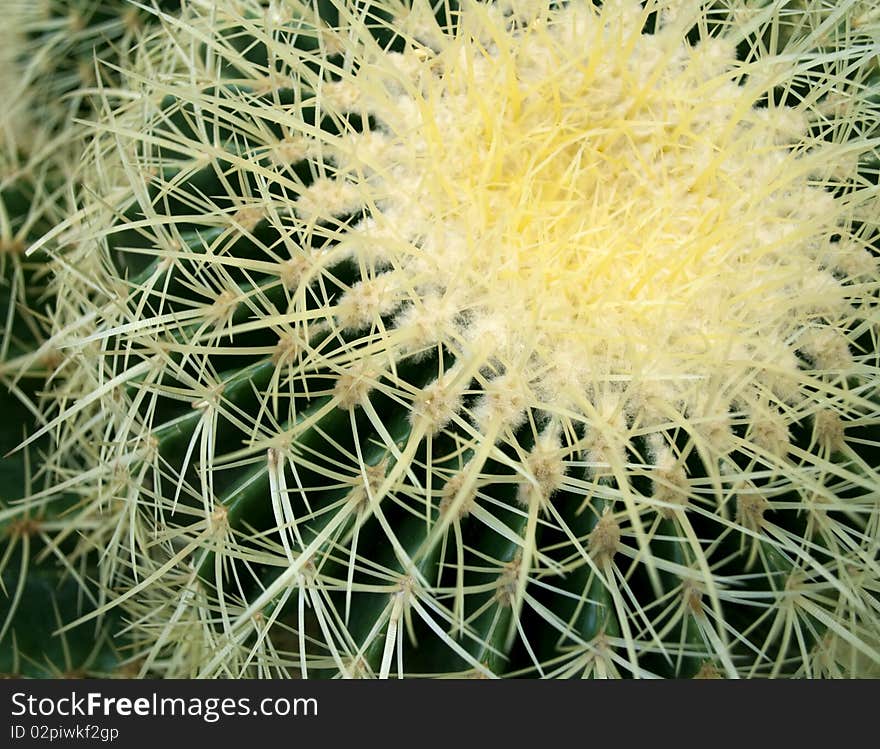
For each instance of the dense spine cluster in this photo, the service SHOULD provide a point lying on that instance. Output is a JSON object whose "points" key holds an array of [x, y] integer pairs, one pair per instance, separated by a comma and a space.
{"points": [[512, 338]]}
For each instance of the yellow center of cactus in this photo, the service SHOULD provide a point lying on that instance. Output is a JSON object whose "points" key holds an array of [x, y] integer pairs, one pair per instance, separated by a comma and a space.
{"points": [[613, 210]]}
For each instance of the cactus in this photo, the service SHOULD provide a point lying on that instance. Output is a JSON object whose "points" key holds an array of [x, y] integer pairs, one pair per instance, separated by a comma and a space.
{"points": [[46, 580], [495, 339], [73, 46]]}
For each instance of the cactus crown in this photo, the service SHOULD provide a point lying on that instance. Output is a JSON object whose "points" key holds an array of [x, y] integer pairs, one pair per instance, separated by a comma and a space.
{"points": [[499, 338]]}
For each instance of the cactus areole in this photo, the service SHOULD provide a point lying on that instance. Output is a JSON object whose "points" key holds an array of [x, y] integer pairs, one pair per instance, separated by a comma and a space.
{"points": [[488, 338]]}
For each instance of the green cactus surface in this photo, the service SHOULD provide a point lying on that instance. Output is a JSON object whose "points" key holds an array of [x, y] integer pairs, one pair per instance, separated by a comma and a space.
{"points": [[513, 338]]}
